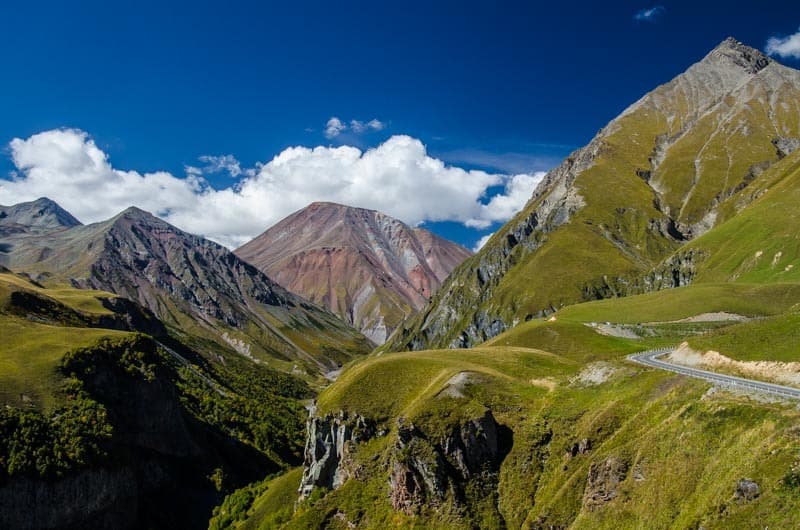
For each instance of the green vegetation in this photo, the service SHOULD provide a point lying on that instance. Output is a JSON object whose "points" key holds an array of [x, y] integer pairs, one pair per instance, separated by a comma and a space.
{"points": [[73, 435], [640, 420], [399, 384], [258, 406], [264, 505], [83, 300], [770, 339], [77, 432], [759, 244], [30, 356]]}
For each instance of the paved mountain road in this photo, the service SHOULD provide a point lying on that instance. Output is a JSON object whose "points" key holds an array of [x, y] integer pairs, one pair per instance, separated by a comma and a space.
{"points": [[651, 359]]}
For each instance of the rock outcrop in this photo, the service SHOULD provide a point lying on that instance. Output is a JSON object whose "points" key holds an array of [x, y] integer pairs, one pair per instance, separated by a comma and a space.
{"points": [[329, 440], [602, 484], [370, 269], [746, 490], [426, 471]]}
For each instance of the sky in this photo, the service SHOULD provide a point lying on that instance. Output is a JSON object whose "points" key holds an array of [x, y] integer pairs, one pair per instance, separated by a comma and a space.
{"points": [[223, 118]]}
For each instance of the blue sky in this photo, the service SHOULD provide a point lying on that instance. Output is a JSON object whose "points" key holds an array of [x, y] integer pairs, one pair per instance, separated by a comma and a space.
{"points": [[505, 87]]}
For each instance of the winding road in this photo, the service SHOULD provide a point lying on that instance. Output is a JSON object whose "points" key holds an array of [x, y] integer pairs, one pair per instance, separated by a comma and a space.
{"points": [[651, 358]]}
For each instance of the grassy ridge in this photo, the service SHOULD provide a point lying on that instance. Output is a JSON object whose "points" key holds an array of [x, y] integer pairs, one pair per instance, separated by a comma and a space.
{"points": [[771, 339], [86, 301]]}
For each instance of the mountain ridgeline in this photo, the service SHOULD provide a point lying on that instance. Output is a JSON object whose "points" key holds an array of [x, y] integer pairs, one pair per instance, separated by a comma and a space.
{"points": [[372, 270], [613, 217], [194, 285]]}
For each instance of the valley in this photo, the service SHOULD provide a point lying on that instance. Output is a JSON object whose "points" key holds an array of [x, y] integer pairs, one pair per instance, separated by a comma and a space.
{"points": [[624, 352]]}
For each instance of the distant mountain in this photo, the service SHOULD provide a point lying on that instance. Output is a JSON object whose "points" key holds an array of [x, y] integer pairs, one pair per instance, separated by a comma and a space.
{"points": [[365, 266], [192, 284], [41, 214], [683, 159]]}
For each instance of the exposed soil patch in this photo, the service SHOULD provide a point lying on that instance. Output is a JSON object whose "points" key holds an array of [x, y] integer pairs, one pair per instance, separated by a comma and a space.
{"points": [[779, 372]]}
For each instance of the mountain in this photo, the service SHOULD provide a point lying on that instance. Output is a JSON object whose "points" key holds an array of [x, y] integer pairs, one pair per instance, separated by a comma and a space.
{"points": [[194, 285], [678, 162], [38, 215], [370, 269]]}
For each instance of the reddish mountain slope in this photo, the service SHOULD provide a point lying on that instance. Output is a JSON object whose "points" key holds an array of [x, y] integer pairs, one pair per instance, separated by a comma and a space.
{"points": [[369, 268]]}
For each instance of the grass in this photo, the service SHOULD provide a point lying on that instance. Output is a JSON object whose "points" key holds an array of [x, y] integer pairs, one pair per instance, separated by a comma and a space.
{"points": [[644, 418], [649, 315], [683, 302], [759, 244], [86, 301], [398, 384], [29, 357], [771, 339], [276, 504]]}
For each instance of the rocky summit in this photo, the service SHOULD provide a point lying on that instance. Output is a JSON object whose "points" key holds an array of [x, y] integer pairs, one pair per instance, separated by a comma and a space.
{"points": [[370, 269]]}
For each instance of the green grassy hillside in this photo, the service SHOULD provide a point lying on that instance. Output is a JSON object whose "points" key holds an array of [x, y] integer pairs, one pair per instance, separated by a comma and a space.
{"points": [[637, 423]]}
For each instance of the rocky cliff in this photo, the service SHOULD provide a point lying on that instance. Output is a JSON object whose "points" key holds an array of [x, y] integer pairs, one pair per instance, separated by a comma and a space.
{"points": [[370, 269], [422, 470]]}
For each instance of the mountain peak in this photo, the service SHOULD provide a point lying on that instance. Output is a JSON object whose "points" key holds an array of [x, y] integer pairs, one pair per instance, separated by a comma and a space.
{"points": [[41, 213], [371, 269], [743, 56], [334, 206]]}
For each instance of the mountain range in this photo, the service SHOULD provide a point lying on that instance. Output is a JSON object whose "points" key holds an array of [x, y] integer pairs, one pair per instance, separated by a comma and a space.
{"points": [[370, 269], [139, 360], [194, 285]]}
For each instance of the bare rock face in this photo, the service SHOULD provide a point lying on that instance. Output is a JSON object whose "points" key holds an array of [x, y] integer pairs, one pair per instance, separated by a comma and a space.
{"points": [[365, 266], [328, 442], [602, 484], [425, 471]]}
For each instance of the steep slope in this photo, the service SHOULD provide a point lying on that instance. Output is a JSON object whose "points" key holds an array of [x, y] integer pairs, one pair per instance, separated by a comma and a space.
{"points": [[664, 172], [99, 425], [192, 284], [365, 266]]}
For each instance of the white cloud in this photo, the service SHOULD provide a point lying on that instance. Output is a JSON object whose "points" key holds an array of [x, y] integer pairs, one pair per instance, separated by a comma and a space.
{"points": [[397, 177], [481, 242], [502, 207], [215, 164], [785, 46], [649, 14], [334, 127]]}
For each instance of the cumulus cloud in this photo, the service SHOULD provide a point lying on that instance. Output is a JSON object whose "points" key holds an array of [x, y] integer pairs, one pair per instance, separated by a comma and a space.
{"points": [[397, 177], [216, 164], [482, 242], [334, 127], [788, 46], [502, 207], [650, 14]]}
